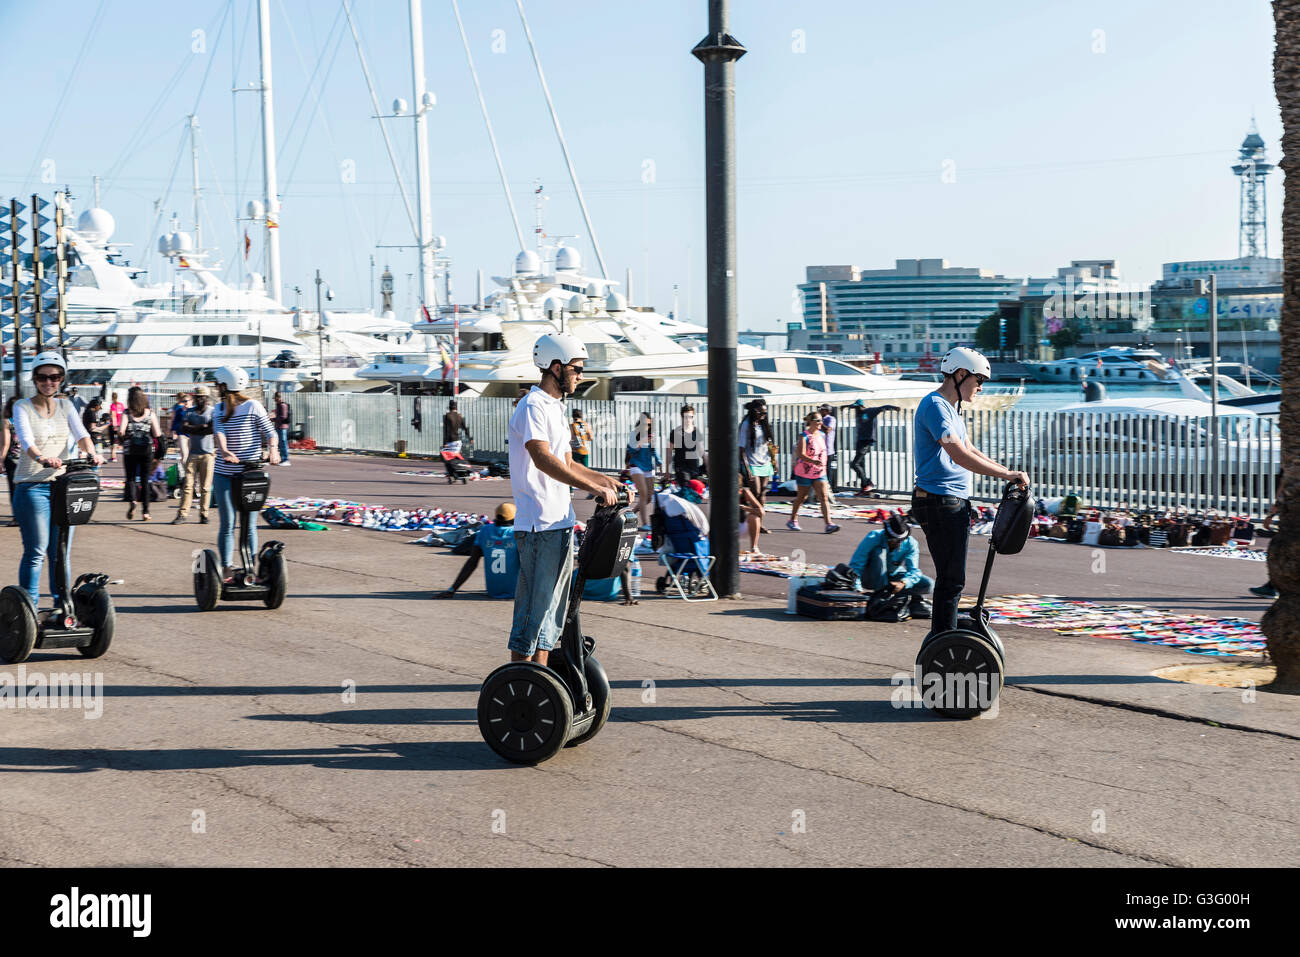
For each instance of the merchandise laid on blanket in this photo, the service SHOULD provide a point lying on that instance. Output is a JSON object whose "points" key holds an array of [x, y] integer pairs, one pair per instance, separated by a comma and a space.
{"points": [[363, 515], [1197, 634], [1208, 532]]}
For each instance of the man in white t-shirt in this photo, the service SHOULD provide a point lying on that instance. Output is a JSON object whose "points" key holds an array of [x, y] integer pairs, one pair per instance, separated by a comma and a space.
{"points": [[542, 471]]}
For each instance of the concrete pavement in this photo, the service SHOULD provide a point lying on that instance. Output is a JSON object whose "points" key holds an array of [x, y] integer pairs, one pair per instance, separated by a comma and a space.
{"points": [[739, 735]]}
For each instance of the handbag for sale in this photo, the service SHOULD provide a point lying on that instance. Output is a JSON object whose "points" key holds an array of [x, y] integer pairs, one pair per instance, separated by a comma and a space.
{"points": [[1220, 532], [1178, 534], [1158, 538]]}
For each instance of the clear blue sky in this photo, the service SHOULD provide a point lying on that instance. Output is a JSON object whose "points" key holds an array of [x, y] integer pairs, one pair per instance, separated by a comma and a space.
{"points": [[847, 112]]}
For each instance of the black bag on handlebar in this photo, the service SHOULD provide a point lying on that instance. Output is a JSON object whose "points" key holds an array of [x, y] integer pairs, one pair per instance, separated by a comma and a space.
{"points": [[250, 489], [1011, 524], [607, 545], [73, 497]]}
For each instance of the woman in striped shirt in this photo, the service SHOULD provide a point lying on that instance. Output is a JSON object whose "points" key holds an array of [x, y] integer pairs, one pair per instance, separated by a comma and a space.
{"points": [[240, 429]]}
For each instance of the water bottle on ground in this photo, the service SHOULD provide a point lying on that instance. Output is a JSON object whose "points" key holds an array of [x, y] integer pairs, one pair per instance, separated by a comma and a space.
{"points": [[635, 586]]}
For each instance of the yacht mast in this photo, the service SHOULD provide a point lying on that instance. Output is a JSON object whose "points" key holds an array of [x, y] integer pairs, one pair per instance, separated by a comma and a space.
{"points": [[268, 154], [423, 103]]}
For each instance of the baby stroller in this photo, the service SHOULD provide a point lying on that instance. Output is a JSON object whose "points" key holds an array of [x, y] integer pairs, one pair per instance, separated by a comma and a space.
{"points": [[457, 467], [685, 554]]}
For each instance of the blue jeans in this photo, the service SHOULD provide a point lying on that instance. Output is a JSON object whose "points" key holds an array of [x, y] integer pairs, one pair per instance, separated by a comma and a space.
{"points": [[945, 519], [875, 576], [284, 443], [35, 520], [542, 596], [228, 519]]}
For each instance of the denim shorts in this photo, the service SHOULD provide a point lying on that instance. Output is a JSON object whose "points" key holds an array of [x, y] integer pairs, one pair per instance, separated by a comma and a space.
{"points": [[542, 595], [801, 482]]}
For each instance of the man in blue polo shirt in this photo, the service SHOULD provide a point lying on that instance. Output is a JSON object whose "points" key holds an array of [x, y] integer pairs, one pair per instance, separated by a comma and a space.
{"points": [[496, 543], [945, 459]]}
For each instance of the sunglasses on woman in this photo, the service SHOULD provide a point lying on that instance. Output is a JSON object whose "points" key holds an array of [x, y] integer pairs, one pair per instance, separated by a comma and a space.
{"points": [[42, 377]]}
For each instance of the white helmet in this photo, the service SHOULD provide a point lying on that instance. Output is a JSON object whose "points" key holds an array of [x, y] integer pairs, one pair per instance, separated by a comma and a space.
{"points": [[557, 347], [233, 378], [49, 358], [968, 359]]}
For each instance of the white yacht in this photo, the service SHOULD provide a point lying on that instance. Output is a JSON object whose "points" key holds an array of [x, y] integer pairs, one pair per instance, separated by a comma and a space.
{"points": [[1121, 364], [630, 350], [120, 332]]}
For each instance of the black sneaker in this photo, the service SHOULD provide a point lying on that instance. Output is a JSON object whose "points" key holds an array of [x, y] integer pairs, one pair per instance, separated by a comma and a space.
{"points": [[920, 608], [179, 519], [1264, 591], [203, 520]]}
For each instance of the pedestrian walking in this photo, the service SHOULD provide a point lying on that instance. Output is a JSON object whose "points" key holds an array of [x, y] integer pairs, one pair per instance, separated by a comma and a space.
{"points": [[542, 471], [580, 438], [47, 428], [178, 418], [642, 463], [115, 412], [686, 450], [282, 419], [810, 472], [199, 464], [864, 439], [453, 426], [240, 430], [757, 453], [945, 459], [828, 430], [140, 437]]}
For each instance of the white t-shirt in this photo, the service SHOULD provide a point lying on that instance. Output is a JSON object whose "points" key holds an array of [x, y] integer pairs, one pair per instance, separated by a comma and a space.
{"points": [[828, 423], [541, 502]]}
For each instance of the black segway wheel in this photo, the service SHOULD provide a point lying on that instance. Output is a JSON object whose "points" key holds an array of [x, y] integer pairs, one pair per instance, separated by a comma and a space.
{"points": [[17, 625], [598, 687], [207, 580], [277, 579], [101, 616], [960, 674], [524, 712]]}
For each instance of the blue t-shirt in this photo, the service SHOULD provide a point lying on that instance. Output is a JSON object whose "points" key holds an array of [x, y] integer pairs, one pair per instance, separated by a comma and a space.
{"points": [[500, 559], [936, 472]]}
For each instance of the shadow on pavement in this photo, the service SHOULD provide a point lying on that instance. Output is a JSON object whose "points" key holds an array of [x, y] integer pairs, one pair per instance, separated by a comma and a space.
{"points": [[397, 756]]}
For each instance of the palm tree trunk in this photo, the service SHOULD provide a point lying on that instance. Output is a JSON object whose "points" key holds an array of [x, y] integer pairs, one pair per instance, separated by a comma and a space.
{"points": [[1282, 621]]}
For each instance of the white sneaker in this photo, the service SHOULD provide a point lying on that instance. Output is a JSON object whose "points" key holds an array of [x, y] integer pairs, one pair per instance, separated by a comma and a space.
{"points": [[285, 465]]}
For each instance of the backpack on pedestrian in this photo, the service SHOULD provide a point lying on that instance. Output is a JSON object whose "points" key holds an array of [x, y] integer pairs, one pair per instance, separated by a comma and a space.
{"points": [[139, 438]]}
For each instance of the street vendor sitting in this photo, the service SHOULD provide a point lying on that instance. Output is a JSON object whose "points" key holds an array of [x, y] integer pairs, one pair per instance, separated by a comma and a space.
{"points": [[887, 558]]}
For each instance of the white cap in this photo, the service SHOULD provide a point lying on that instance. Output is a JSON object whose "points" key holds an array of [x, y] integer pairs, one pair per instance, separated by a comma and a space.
{"points": [[557, 347]]}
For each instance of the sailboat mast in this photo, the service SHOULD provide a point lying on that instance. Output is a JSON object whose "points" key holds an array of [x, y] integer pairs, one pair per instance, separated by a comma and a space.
{"points": [[194, 165], [268, 153], [428, 291]]}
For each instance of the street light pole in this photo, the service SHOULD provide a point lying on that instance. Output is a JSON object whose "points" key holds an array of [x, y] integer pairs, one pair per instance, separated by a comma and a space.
{"points": [[719, 51], [320, 333]]}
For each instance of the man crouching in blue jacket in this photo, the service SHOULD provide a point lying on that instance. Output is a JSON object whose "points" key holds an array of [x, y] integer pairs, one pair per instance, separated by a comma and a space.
{"points": [[886, 558]]}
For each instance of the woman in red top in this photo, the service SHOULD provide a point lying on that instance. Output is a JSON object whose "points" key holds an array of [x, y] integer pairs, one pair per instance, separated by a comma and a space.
{"points": [[810, 472]]}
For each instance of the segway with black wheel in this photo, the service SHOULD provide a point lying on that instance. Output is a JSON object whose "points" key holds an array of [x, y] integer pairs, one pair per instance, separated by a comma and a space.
{"points": [[527, 712], [267, 580], [959, 673], [85, 619]]}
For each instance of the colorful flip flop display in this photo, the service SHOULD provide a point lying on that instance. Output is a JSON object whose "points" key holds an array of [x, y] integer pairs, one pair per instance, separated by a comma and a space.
{"points": [[476, 475], [781, 566], [1197, 634]]}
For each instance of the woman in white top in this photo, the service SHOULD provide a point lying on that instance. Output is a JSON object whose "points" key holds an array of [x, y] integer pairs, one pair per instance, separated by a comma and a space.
{"points": [[47, 428], [240, 430]]}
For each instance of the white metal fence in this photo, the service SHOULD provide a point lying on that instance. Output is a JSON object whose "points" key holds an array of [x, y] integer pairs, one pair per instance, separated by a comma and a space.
{"points": [[1128, 460]]}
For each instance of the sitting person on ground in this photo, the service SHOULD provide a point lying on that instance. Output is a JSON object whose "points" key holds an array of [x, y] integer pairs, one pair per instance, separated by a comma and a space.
{"points": [[496, 541], [886, 558]]}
